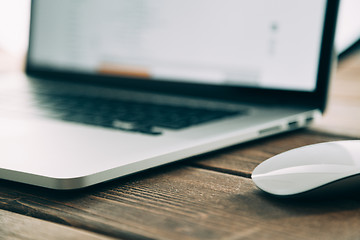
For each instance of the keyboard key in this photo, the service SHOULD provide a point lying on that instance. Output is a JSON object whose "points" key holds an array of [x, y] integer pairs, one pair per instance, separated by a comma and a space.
{"points": [[145, 118]]}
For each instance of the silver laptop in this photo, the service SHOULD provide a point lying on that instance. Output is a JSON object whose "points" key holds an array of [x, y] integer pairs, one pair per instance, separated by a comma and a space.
{"points": [[114, 87]]}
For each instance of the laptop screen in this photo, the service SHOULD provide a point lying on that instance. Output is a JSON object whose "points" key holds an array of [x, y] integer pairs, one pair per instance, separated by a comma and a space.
{"points": [[271, 44]]}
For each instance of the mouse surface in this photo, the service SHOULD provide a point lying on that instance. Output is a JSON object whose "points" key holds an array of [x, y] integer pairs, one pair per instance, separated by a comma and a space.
{"points": [[310, 168]]}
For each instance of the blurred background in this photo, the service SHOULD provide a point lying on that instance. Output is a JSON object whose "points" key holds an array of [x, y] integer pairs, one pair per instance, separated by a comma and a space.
{"points": [[14, 24], [348, 31]]}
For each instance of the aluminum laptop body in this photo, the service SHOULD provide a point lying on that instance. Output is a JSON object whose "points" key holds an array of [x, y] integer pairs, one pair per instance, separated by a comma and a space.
{"points": [[256, 68]]}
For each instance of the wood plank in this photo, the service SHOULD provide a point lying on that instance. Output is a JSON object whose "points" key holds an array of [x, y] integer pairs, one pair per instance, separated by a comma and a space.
{"points": [[242, 159], [177, 202], [15, 226]]}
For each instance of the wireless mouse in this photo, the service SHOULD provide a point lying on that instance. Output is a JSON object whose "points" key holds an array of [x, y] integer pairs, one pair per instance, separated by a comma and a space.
{"points": [[319, 167]]}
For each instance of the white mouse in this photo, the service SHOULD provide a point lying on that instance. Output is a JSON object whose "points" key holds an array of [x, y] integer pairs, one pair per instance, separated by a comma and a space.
{"points": [[306, 169]]}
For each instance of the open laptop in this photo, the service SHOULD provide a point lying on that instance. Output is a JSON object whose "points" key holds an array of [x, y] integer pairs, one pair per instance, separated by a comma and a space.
{"points": [[114, 87]]}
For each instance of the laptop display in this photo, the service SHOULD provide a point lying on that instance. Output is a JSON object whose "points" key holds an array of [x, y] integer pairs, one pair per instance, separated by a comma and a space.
{"points": [[239, 43]]}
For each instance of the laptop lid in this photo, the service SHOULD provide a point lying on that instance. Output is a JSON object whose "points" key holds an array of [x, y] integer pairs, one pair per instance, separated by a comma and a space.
{"points": [[266, 51]]}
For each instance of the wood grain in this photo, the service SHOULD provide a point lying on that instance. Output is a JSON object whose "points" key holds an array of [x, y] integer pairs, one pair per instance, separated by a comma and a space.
{"points": [[177, 202], [242, 159], [16, 226]]}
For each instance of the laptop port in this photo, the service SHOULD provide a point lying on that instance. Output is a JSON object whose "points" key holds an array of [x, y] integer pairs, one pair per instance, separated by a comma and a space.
{"points": [[308, 120], [270, 130], [293, 124]]}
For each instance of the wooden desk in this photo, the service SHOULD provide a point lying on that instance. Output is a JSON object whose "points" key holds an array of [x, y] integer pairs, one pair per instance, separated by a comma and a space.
{"points": [[207, 197]]}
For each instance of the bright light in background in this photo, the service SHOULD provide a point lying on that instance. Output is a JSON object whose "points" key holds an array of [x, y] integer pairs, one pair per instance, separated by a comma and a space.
{"points": [[348, 28], [14, 26]]}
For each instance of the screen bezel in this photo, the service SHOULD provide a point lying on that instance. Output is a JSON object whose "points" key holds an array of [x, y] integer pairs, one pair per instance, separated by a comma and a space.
{"points": [[315, 99]]}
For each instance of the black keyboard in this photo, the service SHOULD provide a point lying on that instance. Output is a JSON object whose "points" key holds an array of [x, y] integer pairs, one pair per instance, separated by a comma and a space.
{"points": [[142, 117]]}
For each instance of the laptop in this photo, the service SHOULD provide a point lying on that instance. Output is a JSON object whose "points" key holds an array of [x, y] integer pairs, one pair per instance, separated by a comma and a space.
{"points": [[115, 87]]}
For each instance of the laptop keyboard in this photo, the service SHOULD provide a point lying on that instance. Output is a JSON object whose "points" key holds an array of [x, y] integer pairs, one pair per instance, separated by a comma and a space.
{"points": [[141, 117]]}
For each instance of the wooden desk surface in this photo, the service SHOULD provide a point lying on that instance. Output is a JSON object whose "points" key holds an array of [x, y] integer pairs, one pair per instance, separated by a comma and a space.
{"points": [[206, 197]]}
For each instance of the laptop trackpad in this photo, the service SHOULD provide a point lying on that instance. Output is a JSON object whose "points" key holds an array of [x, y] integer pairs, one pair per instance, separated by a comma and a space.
{"points": [[61, 150]]}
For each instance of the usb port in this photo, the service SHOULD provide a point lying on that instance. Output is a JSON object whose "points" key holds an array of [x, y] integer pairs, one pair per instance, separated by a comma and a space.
{"points": [[270, 130], [308, 120], [293, 124]]}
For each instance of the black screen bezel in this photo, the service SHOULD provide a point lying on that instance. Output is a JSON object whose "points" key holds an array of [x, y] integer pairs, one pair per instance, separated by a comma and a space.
{"points": [[314, 99]]}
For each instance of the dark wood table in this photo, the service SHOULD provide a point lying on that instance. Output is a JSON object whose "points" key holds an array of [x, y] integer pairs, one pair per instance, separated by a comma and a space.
{"points": [[205, 197]]}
